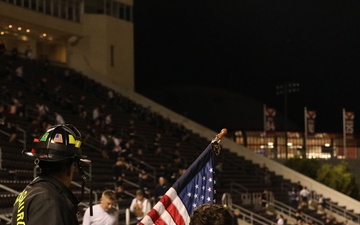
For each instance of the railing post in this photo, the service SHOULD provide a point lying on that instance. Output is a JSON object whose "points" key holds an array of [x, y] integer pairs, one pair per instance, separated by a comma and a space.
{"points": [[0, 158]]}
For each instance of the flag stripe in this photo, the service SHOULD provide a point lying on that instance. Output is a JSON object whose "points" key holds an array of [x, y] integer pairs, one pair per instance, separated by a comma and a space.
{"points": [[159, 221], [167, 218], [182, 210], [165, 212], [175, 215]]}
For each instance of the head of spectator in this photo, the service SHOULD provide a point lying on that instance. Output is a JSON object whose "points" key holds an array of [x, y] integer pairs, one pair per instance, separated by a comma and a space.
{"points": [[162, 180], [108, 200], [140, 195], [211, 214], [181, 170]]}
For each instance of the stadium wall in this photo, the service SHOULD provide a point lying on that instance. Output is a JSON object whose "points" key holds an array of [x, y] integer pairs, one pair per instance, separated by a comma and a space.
{"points": [[105, 50]]}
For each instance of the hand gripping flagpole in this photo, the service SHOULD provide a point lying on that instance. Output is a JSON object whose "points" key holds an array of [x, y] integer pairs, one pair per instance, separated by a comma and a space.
{"points": [[215, 142]]}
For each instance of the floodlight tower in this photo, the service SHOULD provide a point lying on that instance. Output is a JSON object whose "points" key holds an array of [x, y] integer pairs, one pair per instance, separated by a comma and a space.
{"points": [[284, 89]]}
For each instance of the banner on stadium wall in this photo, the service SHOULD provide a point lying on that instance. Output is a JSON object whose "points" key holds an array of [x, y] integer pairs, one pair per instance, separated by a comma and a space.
{"points": [[269, 120], [310, 116], [348, 123]]}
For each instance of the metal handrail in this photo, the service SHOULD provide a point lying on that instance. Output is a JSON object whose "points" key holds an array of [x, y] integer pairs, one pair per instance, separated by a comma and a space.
{"points": [[1, 158], [6, 188], [5, 218], [96, 199], [131, 183], [279, 206], [233, 189], [252, 217], [342, 212], [148, 166], [286, 185]]}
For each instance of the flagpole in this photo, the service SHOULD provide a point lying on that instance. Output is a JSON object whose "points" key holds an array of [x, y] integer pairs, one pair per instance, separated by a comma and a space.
{"points": [[219, 135], [305, 130], [344, 133], [264, 113]]}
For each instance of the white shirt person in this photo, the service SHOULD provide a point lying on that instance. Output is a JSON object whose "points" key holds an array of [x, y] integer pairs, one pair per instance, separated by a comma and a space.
{"points": [[104, 213], [140, 206]]}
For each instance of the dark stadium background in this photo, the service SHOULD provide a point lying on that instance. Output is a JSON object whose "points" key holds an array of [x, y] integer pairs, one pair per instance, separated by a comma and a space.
{"points": [[219, 63]]}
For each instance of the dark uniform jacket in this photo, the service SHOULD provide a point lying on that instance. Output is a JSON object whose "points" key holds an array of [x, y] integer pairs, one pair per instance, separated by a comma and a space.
{"points": [[45, 201]]}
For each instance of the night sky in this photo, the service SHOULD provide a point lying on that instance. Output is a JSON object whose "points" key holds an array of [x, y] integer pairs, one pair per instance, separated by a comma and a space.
{"points": [[244, 49]]}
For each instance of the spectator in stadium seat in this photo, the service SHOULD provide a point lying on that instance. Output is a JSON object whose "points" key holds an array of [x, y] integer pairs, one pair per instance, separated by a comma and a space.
{"points": [[89, 132], [299, 186], [2, 114], [108, 120], [267, 175], [120, 193], [110, 97], [95, 113], [320, 209], [29, 53], [181, 170], [140, 205], [131, 128], [304, 195], [280, 220], [119, 170], [12, 129], [264, 198], [19, 75], [293, 197], [299, 217], [13, 109], [160, 189], [81, 107], [43, 111], [145, 180], [21, 103]]}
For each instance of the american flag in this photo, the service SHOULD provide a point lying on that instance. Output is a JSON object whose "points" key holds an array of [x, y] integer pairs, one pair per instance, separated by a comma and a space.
{"points": [[193, 188], [58, 138]]}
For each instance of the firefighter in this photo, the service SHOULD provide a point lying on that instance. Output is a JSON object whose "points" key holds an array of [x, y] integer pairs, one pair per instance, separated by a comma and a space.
{"points": [[48, 198]]}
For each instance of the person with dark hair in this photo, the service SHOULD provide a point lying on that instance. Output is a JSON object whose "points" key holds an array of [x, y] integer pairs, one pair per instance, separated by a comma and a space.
{"points": [[145, 181], [105, 212], [294, 197], [280, 219], [211, 214], [264, 198], [48, 199], [119, 170]]}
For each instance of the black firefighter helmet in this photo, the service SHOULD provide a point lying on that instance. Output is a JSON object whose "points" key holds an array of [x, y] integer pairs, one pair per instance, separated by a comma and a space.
{"points": [[58, 143]]}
